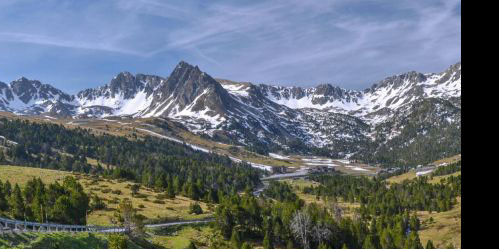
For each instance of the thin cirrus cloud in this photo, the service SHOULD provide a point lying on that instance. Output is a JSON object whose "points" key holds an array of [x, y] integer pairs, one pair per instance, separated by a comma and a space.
{"points": [[350, 43]]}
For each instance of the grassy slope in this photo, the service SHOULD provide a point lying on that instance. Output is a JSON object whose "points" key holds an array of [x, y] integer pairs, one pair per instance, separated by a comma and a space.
{"points": [[445, 229], [411, 174], [64, 241], [299, 184], [173, 209], [127, 127], [446, 226], [179, 238], [449, 160], [53, 241]]}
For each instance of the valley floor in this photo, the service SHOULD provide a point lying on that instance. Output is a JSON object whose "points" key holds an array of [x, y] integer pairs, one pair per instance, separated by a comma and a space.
{"points": [[442, 228]]}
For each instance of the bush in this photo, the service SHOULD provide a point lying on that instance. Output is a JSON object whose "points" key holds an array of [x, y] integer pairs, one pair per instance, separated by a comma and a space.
{"points": [[191, 246], [114, 201], [97, 203], [195, 209], [158, 202], [117, 241], [105, 191], [140, 196]]}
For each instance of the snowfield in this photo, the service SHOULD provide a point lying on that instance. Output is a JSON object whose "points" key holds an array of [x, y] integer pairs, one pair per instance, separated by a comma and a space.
{"points": [[277, 156]]}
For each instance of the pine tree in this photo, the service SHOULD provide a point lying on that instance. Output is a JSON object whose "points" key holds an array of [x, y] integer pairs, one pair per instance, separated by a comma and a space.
{"points": [[160, 182], [135, 189], [235, 239], [267, 241], [4, 205], [246, 246], [450, 246], [191, 246], [323, 246], [17, 203], [170, 191], [7, 189], [430, 245], [195, 209], [2, 157], [387, 241], [413, 242], [369, 243], [117, 241]]}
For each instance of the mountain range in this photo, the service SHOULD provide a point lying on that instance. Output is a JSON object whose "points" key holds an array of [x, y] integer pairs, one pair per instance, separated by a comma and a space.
{"points": [[406, 118]]}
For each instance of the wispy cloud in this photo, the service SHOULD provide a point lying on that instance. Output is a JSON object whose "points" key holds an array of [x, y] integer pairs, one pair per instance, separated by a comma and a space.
{"points": [[348, 42], [54, 41]]}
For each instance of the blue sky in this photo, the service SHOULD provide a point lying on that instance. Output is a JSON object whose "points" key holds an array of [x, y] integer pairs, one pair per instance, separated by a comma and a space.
{"points": [[76, 44]]}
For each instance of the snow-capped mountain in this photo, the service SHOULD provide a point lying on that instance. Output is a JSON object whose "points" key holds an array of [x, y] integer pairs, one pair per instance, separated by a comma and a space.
{"points": [[395, 112], [375, 104], [31, 97], [126, 94]]}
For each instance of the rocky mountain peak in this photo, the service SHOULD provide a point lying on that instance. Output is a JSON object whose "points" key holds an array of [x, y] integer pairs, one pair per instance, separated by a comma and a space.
{"points": [[24, 85], [126, 84], [3, 85], [28, 90], [187, 83], [453, 73], [323, 116], [399, 80]]}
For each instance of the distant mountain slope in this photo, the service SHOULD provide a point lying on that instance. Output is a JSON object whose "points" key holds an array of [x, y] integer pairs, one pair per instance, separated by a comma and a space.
{"points": [[400, 113], [31, 97]]}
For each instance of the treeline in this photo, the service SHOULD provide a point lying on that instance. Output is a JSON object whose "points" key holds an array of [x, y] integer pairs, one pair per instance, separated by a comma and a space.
{"points": [[291, 224], [56, 203], [377, 198], [447, 170], [150, 161], [280, 191], [431, 137]]}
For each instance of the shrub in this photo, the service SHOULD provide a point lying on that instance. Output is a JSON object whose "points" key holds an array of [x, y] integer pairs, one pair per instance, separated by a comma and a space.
{"points": [[195, 209], [117, 241], [105, 191], [158, 202]]}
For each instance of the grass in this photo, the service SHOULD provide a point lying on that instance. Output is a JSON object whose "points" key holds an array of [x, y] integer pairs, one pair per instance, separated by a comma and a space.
{"points": [[445, 228], [412, 175], [21, 175], [65, 241], [449, 160], [174, 209], [299, 184], [437, 179], [179, 238], [53, 241], [400, 178]]}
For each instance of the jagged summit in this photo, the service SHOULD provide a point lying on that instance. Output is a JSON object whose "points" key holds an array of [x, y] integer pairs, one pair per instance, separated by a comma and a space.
{"points": [[322, 116]]}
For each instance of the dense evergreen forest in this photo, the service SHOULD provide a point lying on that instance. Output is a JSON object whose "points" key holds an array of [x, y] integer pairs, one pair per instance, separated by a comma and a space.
{"points": [[153, 162], [377, 198], [447, 170], [65, 204], [385, 220]]}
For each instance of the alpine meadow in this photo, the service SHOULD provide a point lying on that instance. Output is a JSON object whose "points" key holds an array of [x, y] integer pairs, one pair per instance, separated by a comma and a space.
{"points": [[279, 124]]}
